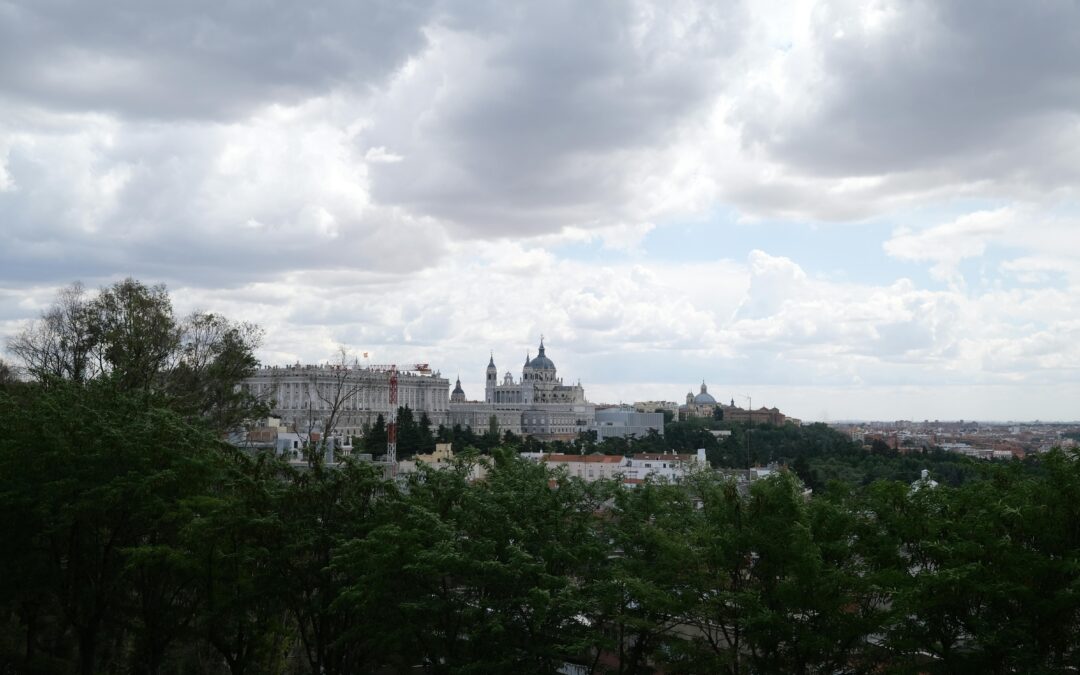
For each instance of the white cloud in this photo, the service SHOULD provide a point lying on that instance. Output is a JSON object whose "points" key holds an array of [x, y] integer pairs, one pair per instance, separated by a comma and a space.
{"points": [[1037, 242], [440, 179], [949, 243], [381, 154]]}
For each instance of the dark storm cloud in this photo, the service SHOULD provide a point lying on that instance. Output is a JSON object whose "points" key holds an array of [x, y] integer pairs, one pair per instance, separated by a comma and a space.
{"points": [[206, 58], [544, 126], [988, 89]]}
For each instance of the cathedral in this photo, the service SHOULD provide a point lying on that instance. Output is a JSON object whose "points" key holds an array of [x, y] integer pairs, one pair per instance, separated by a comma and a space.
{"points": [[538, 404]]}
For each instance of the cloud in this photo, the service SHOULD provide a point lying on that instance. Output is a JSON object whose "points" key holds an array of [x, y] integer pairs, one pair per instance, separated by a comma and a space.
{"points": [[208, 60], [437, 179], [544, 116], [1040, 242], [917, 100], [947, 244], [278, 192]]}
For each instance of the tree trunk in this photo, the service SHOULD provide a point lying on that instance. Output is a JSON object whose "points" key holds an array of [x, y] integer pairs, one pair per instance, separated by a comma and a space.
{"points": [[29, 616], [87, 650]]}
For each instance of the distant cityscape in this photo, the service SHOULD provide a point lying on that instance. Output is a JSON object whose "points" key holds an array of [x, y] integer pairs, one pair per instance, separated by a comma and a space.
{"points": [[539, 404], [982, 440]]}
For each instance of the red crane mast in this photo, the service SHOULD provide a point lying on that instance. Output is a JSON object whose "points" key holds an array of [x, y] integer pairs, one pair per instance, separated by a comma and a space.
{"points": [[391, 424]]}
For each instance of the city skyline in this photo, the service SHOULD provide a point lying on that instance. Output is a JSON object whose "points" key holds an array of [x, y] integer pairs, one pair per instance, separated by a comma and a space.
{"points": [[844, 210]]}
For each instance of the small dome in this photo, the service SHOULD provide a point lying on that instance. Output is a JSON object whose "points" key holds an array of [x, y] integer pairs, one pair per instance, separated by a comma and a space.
{"points": [[458, 395], [704, 398]]}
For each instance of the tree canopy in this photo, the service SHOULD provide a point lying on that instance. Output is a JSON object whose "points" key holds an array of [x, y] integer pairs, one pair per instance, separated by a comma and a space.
{"points": [[136, 541]]}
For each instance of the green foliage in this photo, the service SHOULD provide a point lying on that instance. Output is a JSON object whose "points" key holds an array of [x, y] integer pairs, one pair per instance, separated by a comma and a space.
{"points": [[816, 452], [414, 435], [92, 483], [128, 335], [374, 441], [135, 541]]}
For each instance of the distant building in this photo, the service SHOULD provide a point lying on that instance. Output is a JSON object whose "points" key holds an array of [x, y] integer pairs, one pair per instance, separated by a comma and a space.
{"points": [[539, 404], [668, 466], [700, 405], [442, 458], [589, 467], [629, 470], [271, 435], [302, 396], [761, 415], [703, 404], [626, 422], [658, 406]]}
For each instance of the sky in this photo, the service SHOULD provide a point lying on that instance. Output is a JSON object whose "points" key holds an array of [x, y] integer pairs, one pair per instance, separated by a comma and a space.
{"points": [[847, 210]]}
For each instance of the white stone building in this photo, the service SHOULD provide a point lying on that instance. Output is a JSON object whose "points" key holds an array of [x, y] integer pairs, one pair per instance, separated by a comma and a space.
{"points": [[589, 467], [668, 466], [303, 396], [539, 404]]}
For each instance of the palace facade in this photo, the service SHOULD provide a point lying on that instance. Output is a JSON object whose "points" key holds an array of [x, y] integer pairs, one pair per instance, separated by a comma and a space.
{"points": [[303, 396]]}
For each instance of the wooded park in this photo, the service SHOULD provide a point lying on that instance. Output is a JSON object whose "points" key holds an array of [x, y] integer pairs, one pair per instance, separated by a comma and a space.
{"points": [[136, 540]]}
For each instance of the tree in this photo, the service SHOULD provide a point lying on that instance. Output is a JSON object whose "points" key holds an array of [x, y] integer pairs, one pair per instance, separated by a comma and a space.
{"points": [[7, 374], [425, 438], [332, 392], [806, 614], [586, 442], [635, 599], [128, 334], [62, 343], [475, 578], [444, 435], [721, 582], [136, 334], [408, 435], [237, 546], [374, 441], [91, 482], [322, 509], [215, 355]]}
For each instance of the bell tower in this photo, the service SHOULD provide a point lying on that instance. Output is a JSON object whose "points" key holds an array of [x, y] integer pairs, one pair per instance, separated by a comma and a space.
{"points": [[489, 380]]}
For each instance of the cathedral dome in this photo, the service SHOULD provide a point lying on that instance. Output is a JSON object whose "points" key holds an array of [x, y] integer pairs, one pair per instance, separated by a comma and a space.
{"points": [[704, 398], [542, 362], [458, 395]]}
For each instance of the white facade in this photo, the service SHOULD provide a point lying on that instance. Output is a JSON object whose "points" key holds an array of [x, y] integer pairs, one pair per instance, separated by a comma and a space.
{"points": [[539, 404], [304, 395], [589, 467], [666, 466]]}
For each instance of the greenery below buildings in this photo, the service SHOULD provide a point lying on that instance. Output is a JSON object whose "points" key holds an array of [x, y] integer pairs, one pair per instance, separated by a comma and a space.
{"points": [[136, 541]]}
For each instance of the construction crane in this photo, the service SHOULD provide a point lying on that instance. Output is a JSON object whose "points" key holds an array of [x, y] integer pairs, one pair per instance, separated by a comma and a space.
{"points": [[391, 425], [391, 422]]}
